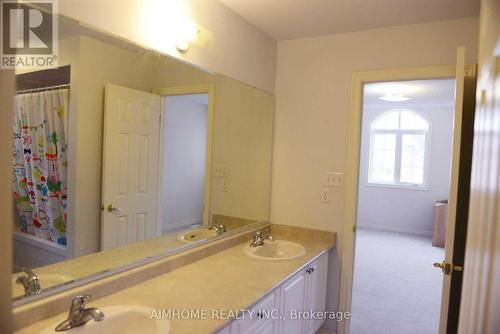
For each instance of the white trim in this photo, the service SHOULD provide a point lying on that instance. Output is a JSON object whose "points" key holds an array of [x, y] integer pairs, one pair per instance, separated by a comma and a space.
{"points": [[398, 186], [353, 149], [396, 229]]}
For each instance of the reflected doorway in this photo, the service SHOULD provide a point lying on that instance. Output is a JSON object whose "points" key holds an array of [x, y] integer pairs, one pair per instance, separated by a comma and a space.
{"points": [[184, 150]]}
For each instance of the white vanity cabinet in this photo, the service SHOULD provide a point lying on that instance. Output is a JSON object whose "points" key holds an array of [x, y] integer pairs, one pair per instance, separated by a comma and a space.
{"points": [[258, 321], [293, 298], [316, 279], [304, 291]]}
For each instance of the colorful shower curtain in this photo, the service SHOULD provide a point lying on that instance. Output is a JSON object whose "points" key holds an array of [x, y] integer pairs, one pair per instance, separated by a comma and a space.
{"points": [[40, 164]]}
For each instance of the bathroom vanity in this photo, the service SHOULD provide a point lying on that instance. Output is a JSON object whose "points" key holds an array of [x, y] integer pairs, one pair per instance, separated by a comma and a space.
{"points": [[228, 280], [289, 307]]}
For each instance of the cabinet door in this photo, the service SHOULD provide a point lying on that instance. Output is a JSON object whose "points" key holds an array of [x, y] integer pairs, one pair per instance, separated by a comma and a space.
{"points": [[292, 299], [316, 290], [259, 317]]}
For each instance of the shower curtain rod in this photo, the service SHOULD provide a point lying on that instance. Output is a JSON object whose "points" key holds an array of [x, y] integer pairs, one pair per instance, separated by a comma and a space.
{"points": [[41, 89]]}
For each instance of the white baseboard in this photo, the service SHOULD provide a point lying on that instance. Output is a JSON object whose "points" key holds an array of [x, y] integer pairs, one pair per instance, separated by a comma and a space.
{"points": [[390, 228]]}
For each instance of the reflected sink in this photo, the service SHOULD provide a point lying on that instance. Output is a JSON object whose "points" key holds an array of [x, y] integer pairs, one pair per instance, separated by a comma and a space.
{"points": [[123, 319], [276, 250], [46, 281], [196, 235]]}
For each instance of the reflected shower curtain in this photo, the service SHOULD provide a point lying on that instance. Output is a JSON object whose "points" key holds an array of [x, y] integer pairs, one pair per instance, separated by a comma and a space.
{"points": [[40, 164]]}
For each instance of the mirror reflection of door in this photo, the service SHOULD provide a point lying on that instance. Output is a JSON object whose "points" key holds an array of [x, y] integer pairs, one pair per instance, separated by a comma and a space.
{"points": [[130, 166], [184, 132]]}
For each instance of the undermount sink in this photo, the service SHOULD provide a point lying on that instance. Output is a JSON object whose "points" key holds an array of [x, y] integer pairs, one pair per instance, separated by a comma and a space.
{"points": [[123, 319], [276, 250], [196, 235], [46, 281]]}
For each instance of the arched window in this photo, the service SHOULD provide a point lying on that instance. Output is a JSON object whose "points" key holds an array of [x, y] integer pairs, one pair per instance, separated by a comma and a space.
{"points": [[398, 149]]}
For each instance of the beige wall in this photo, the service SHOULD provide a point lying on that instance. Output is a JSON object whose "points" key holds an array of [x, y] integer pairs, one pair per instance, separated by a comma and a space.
{"points": [[227, 44], [243, 132], [313, 84]]}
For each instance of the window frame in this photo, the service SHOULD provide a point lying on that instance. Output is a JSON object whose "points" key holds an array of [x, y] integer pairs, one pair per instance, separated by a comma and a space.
{"points": [[398, 152]]}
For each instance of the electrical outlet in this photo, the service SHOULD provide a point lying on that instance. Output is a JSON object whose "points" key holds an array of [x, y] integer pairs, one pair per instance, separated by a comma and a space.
{"points": [[221, 171], [225, 185], [334, 179], [325, 195]]}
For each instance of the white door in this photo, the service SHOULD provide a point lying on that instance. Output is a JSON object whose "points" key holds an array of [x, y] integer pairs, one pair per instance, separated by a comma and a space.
{"points": [[130, 166], [292, 299], [452, 199]]}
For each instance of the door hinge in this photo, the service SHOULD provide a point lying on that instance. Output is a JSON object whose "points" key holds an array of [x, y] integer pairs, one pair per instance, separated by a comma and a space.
{"points": [[354, 228], [448, 268]]}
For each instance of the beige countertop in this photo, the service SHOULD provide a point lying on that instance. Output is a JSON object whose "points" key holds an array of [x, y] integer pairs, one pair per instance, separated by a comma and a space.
{"points": [[228, 280], [91, 264]]}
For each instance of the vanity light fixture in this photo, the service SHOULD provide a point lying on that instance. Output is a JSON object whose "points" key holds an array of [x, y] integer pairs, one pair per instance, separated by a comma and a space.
{"points": [[190, 34], [394, 97], [183, 45]]}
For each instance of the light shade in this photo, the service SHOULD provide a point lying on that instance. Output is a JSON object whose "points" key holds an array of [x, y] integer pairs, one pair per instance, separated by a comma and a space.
{"points": [[394, 97]]}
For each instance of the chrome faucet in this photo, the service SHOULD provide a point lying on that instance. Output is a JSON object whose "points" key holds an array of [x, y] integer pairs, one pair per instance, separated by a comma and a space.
{"points": [[218, 228], [30, 282], [79, 315], [258, 239]]}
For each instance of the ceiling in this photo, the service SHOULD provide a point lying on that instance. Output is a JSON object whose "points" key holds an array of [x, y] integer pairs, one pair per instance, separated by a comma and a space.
{"points": [[291, 19], [423, 93]]}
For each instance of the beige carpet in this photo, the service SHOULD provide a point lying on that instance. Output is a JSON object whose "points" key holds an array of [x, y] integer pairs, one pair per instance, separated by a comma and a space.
{"points": [[396, 289]]}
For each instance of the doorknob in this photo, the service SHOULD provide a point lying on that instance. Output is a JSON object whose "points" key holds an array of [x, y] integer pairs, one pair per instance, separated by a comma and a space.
{"points": [[111, 208], [447, 268]]}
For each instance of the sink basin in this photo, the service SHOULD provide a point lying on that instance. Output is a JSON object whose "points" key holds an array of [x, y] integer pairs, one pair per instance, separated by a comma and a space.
{"points": [[196, 235], [123, 319], [46, 281], [276, 250]]}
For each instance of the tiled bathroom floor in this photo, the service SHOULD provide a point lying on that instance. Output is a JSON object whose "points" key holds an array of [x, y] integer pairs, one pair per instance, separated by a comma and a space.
{"points": [[396, 289]]}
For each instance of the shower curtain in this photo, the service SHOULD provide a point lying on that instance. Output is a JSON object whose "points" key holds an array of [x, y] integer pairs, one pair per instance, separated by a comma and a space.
{"points": [[40, 164]]}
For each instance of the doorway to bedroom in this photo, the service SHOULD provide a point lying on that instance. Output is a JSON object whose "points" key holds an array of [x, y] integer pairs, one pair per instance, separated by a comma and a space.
{"points": [[404, 182]]}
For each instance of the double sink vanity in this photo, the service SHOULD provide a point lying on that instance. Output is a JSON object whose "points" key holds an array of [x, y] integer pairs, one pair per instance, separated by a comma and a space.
{"points": [[236, 289]]}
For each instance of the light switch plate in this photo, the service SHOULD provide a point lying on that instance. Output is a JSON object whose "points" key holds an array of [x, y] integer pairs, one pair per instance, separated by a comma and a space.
{"points": [[225, 185], [334, 179], [221, 171]]}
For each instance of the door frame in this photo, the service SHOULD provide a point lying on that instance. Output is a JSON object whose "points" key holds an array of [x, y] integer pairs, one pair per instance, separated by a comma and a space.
{"points": [[359, 78], [208, 89]]}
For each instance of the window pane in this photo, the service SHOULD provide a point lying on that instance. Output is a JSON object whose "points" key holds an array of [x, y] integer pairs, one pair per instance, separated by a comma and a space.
{"points": [[412, 121], [387, 121], [412, 159], [383, 158]]}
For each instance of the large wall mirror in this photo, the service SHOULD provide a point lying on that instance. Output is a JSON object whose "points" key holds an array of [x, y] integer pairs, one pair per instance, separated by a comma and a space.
{"points": [[122, 154]]}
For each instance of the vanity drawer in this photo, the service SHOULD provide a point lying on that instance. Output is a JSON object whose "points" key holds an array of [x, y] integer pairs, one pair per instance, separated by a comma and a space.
{"points": [[258, 316]]}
